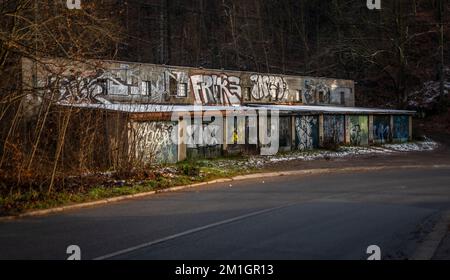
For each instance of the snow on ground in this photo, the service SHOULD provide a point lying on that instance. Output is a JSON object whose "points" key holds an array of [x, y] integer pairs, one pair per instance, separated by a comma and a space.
{"points": [[342, 152], [251, 162], [427, 145], [428, 95]]}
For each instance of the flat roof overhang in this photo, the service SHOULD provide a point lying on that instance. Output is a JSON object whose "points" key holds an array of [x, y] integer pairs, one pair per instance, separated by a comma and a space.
{"points": [[316, 109], [165, 112]]}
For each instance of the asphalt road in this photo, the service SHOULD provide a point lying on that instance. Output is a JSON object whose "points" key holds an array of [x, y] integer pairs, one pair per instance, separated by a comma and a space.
{"points": [[333, 216]]}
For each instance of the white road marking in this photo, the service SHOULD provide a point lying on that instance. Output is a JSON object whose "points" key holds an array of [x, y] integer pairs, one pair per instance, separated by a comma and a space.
{"points": [[191, 231]]}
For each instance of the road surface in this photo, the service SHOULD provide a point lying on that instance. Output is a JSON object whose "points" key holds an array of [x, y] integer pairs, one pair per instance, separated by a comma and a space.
{"points": [[332, 216]]}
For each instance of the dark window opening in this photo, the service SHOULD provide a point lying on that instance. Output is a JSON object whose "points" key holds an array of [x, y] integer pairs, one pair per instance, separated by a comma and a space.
{"points": [[173, 83]]}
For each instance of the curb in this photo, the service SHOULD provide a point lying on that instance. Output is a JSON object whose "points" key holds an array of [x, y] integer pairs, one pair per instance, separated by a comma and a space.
{"points": [[217, 181]]}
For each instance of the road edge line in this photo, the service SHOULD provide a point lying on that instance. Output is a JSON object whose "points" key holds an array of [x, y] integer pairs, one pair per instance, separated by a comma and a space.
{"points": [[105, 201], [191, 231]]}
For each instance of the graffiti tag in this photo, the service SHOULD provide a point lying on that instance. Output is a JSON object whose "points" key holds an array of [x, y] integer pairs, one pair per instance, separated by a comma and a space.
{"points": [[269, 87], [314, 88], [214, 89], [76, 89]]}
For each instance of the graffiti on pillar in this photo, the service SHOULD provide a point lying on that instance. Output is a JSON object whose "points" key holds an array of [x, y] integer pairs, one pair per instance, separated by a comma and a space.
{"points": [[359, 130], [153, 142], [269, 88], [334, 129], [216, 89], [401, 128], [307, 132], [316, 91], [381, 129]]}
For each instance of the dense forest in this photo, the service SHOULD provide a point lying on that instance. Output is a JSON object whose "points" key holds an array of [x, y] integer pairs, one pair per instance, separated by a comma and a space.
{"points": [[389, 52]]}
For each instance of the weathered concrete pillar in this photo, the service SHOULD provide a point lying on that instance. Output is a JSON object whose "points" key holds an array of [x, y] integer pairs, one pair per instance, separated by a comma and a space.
{"points": [[182, 134], [392, 127], [225, 134], [370, 127], [293, 133], [321, 132], [410, 128], [347, 129]]}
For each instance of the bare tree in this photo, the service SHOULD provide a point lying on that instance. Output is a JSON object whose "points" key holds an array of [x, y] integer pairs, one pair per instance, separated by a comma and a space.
{"points": [[38, 30]]}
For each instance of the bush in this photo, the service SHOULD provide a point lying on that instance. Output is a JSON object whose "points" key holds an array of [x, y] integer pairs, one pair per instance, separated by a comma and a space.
{"points": [[331, 145], [190, 169]]}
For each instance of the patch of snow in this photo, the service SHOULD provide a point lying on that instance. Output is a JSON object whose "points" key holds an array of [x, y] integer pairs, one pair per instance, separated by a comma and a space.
{"points": [[343, 152], [427, 145], [428, 96]]}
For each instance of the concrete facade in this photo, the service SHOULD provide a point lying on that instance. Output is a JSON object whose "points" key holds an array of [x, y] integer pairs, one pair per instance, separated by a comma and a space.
{"points": [[313, 112]]}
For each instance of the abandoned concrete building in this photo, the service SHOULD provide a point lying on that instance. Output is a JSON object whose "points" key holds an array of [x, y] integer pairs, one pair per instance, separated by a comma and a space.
{"points": [[312, 111]]}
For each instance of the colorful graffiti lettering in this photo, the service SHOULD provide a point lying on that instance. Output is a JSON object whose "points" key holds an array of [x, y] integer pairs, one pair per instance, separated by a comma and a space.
{"points": [[214, 89], [307, 132], [273, 88]]}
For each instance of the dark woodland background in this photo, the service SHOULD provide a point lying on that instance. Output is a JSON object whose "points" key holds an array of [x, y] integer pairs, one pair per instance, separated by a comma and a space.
{"points": [[389, 53]]}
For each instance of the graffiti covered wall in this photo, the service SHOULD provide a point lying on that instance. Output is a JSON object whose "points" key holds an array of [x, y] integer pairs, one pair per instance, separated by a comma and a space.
{"points": [[401, 128], [334, 129], [109, 81], [152, 142], [382, 129], [306, 132], [358, 130], [316, 91]]}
